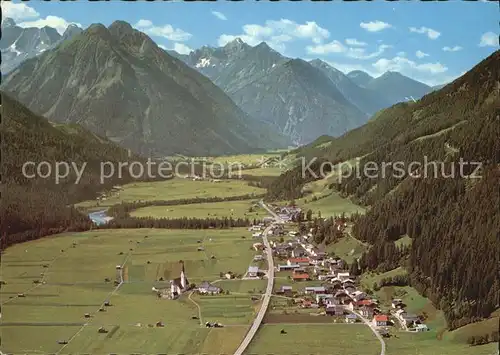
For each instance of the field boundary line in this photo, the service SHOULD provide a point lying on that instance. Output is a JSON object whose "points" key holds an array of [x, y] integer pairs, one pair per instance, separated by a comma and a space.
{"points": [[198, 306], [41, 281], [102, 304]]}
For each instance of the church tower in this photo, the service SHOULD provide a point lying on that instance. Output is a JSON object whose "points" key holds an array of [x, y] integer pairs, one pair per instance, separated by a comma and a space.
{"points": [[183, 276]]}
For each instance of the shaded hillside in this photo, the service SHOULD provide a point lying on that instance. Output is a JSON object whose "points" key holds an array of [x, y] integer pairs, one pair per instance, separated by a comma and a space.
{"points": [[368, 101], [35, 207], [398, 88], [118, 83], [453, 220], [300, 100], [288, 94], [359, 77]]}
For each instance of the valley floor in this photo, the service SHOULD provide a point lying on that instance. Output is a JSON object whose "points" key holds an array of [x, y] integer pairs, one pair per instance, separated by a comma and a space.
{"points": [[76, 269]]}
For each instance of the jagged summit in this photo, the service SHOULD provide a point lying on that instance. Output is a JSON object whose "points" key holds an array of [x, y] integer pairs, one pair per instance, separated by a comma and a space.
{"points": [[136, 94]]}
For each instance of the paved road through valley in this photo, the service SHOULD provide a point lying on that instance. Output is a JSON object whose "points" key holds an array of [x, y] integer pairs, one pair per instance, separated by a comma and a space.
{"points": [[267, 296]]}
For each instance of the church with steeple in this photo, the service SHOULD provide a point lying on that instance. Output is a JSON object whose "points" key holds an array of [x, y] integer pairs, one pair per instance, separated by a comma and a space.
{"points": [[180, 284]]}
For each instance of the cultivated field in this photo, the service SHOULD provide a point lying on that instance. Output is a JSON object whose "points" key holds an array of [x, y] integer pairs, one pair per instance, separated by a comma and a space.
{"points": [[174, 189], [235, 209], [347, 248], [75, 267], [324, 339], [330, 205], [271, 171], [369, 278], [427, 344]]}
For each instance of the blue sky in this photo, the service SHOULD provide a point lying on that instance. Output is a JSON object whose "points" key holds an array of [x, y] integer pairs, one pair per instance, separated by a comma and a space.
{"points": [[432, 42]]}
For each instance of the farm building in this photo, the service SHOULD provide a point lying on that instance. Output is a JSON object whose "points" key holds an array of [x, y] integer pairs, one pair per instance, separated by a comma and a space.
{"points": [[285, 290], [207, 287], [253, 271], [300, 261], [334, 310], [288, 267], [315, 290], [300, 277]]}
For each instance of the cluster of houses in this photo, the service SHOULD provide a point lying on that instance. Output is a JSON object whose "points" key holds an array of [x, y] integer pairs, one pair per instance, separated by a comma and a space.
{"points": [[287, 213], [339, 297], [408, 321], [338, 293]]}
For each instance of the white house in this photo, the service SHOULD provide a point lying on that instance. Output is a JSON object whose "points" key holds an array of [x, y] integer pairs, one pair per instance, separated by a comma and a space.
{"points": [[380, 320], [421, 328], [343, 275]]}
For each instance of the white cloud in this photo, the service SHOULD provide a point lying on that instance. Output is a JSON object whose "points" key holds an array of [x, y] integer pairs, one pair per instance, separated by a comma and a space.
{"points": [[359, 53], [181, 48], [56, 22], [401, 54], [165, 31], [332, 47], [276, 33], [219, 15], [489, 39], [143, 23], [374, 26], [452, 49], [421, 54], [162, 47], [432, 34], [18, 11], [351, 52], [354, 42], [405, 65]]}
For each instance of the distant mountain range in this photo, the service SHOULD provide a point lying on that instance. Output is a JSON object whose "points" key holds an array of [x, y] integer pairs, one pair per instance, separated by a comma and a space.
{"points": [[18, 43], [118, 83], [293, 95]]}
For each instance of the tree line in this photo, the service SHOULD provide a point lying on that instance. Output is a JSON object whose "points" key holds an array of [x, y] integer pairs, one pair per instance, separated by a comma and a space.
{"points": [[178, 223], [122, 210]]}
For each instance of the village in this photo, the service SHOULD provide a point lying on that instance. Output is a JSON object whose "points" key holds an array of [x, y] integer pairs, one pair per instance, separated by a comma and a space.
{"points": [[318, 281], [311, 282]]}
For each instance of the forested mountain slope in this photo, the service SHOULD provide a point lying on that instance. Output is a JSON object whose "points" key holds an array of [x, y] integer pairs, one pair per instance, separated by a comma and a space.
{"points": [[35, 207], [119, 84], [449, 209]]}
